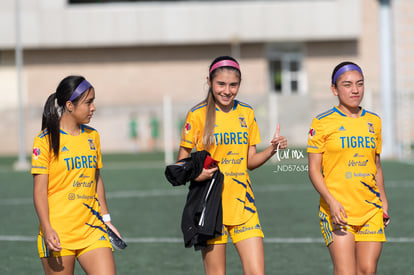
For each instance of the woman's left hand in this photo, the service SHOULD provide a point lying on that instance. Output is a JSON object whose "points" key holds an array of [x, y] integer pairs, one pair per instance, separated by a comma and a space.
{"points": [[110, 225], [279, 142]]}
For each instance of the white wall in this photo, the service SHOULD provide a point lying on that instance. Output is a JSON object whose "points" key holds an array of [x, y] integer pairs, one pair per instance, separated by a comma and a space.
{"points": [[56, 24]]}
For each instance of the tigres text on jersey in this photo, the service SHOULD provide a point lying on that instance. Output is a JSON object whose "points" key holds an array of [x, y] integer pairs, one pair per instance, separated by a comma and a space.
{"points": [[234, 132], [349, 147], [74, 210]]}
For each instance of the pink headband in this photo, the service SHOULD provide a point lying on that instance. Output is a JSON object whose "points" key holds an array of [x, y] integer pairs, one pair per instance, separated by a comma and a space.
{"points": [[225, 63]]}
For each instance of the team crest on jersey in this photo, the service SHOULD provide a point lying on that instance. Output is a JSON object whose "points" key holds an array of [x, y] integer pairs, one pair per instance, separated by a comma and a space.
{"points": [[91, 144], [311, 133], [242, 122], [371, 128], [187, 127], [36, 153]]}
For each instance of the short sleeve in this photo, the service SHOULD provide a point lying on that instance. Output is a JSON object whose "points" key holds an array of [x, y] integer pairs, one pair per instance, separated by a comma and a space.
{"points": [[254, 134], [190, 132], [40, 155], [379, 138], [316, 137], [98, 150]]}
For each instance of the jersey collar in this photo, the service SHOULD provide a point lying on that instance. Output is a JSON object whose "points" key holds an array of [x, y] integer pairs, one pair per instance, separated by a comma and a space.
{"points": [[336, 109], [235, 104]]}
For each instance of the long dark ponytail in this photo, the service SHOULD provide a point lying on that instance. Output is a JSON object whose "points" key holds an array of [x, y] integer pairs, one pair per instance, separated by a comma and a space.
{"points": [[54, 107]]}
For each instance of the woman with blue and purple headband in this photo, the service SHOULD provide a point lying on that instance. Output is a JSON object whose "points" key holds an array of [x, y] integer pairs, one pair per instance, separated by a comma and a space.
{"points": [[344, 146], [68, 191]]}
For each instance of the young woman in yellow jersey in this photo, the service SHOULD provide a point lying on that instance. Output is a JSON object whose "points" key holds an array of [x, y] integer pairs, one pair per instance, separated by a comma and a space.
{"points": [[68, 193], [227, 129], [344, 146]]}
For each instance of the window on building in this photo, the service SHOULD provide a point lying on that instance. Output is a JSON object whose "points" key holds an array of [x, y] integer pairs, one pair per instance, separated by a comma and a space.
{"points": [[286, 73]]}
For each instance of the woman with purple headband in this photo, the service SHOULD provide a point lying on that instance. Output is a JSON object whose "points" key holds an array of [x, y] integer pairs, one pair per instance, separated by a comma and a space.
{"points": [[227, 129], [68, 191], [344, 146]]}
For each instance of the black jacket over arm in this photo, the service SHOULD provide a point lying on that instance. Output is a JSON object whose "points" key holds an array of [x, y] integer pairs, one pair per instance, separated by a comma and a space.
{"points": [[202, 196]]}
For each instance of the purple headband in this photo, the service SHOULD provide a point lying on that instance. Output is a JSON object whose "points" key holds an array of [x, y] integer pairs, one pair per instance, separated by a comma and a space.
{"points": [[348, 67], [82, 87], [225, 63]]}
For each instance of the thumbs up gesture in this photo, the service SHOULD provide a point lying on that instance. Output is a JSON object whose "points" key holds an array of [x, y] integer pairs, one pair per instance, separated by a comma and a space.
{"points": [[278, 142]]}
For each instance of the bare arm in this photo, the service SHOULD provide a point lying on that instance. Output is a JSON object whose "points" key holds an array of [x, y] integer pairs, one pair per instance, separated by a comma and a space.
{"points": [[40, 186], [255, 159], [100, 189], [380, 183], [337, 210], [183, 153]]}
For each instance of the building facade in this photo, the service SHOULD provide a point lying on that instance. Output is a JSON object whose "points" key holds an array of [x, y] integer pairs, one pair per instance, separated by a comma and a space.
{"points": [[138, 54]]}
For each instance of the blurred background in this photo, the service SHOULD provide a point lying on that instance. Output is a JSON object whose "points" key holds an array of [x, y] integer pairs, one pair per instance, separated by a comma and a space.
{"points": [[148, 61]]}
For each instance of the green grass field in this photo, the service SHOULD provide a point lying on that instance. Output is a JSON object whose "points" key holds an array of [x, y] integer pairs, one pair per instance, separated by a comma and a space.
{"points": [[147, 209]]}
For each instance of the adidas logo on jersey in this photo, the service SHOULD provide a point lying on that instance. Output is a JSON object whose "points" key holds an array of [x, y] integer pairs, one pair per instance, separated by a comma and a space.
{"points": [[341, 128], [64, 149]]}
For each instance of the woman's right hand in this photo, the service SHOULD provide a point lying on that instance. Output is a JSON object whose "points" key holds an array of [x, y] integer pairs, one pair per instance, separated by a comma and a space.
{"points": [[52, 240], [206, 174], [338, 214]]}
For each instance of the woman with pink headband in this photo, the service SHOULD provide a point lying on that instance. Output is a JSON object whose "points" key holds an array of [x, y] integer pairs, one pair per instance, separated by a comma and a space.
{"points": [[68, 191], [227, 129], [344, 146]]}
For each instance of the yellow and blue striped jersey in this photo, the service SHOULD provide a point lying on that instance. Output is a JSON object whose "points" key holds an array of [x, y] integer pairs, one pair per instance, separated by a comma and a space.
{"points": [[349, 146], [234, 132], [74, 210]]}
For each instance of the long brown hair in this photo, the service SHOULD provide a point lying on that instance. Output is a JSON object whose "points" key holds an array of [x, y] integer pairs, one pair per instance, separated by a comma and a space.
{"points": [[210, 122]]}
